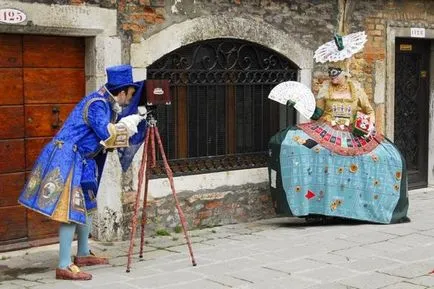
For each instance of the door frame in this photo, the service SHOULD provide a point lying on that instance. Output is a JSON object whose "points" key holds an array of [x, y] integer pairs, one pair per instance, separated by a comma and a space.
{"points": [[102, 47], [393, 31]]}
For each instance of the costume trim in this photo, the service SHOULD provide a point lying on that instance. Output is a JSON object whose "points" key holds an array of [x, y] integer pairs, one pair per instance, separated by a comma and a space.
{"points": [[61, 213], [86, 108], [118, 136], [342, 142]]}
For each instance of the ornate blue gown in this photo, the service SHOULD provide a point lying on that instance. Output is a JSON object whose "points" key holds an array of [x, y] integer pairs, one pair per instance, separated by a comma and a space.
{"points": [[64, 181]]}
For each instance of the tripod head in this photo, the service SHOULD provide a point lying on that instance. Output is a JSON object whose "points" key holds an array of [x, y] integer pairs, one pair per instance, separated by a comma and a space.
{"points": [[151, 115]]}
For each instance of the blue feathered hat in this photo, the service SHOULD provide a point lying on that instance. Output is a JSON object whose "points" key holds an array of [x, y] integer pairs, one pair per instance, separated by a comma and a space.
{"points": [[119, 76]]}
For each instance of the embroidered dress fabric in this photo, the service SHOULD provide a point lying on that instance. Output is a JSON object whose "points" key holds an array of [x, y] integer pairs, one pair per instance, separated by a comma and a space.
{"points": [[322, 168]]}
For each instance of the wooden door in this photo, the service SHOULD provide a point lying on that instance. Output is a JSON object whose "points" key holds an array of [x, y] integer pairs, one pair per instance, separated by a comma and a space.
{"points": [[41, 79], [412, 107]]}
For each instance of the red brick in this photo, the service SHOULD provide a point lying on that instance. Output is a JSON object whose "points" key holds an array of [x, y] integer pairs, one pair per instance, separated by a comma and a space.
{"points": [[133, 27], [213, 204]]}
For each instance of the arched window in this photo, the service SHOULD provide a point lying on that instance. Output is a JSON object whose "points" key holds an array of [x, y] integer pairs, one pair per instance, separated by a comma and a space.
{"points": [[220, 117]]}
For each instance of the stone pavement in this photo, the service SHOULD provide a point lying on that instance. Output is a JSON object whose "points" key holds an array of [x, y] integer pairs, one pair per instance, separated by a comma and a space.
{"points": [[271, 254]]}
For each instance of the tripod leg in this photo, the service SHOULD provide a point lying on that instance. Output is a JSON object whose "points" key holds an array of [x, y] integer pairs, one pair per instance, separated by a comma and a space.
{"points": [[153, 161], [172, 186], [145, 201], [142, 171]]}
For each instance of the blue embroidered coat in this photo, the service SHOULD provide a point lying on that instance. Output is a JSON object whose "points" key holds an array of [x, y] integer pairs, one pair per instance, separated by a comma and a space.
{"points": [[64, 181]]}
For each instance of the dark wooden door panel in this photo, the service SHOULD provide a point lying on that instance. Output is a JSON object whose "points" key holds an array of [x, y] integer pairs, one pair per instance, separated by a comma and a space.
{"points": [[11, 156], [10, 188], [41, 226], [11, 86], [10, 50], [41, 79], [13, 224], [41, 118], [53, 85], [34, 147], [412, 60], [11, 122], [53, 51]]}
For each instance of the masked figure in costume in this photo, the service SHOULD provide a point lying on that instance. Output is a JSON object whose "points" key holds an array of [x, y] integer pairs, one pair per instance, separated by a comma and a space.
{"points": [[338, 165], [64, 181]]}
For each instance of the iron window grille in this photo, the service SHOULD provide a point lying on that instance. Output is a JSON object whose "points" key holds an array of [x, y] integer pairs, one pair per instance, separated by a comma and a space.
{"points": [[220, 118]]}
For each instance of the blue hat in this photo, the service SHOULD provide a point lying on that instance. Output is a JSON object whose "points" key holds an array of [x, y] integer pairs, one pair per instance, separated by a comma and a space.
{"points": [[119, 76]]}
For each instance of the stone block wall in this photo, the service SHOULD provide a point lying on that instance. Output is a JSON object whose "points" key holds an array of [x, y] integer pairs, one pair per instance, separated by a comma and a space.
{"points": [[202, 209]]}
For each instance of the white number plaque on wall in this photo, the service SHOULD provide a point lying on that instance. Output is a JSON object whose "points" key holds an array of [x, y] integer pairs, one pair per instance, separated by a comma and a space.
{"points": [[12, 16], [417, 32]]}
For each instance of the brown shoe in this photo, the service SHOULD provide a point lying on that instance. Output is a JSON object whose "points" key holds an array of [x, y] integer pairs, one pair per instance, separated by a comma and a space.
{"points": [[90, 260], [72, 272]]}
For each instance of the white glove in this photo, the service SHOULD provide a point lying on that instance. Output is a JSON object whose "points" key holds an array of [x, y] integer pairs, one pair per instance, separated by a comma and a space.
{"points": [[142, 110], [131, 122]]}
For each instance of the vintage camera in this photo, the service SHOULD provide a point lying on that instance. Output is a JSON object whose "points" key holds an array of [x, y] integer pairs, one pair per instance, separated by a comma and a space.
{"points": [[155, 94]]}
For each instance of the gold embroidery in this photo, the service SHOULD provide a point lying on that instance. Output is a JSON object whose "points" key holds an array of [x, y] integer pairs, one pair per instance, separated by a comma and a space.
{"points": [[51, 187], [33, 183], [62, 210], [118, 136]]}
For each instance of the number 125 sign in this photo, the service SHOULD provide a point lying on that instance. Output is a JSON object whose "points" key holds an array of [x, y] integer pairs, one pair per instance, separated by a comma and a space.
{"points": [[12, 16]]}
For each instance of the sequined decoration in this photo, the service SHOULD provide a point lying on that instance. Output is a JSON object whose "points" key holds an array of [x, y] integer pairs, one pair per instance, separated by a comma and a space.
{"points": [[335, 204], [33, 183], [51, 187]]}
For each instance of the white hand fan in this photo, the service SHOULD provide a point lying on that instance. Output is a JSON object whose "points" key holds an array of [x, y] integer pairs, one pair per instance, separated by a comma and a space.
{"points": [[296, 92], [352, 43]]}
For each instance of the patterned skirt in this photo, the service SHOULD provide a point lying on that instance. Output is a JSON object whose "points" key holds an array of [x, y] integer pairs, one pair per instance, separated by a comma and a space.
{"points": [[317, 170]]}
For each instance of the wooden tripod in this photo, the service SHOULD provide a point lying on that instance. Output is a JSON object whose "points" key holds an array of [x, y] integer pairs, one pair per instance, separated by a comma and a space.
{"points": [[151, 134]]}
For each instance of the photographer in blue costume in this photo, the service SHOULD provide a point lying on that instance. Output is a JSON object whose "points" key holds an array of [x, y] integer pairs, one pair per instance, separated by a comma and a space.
{"points": [[65, 178]]}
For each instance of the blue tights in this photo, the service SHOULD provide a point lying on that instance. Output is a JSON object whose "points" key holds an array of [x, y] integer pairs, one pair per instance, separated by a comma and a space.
{"points": [[66, 235]]}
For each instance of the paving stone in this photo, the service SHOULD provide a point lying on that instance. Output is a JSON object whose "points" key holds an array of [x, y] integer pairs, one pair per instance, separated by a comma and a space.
{"points": [[332, 259], [369, 237], [372, 264], [199, 284], [386, 246], [223, 266], [404, 285], [258, 275], [332, 286], [397, 229], [283, 283], [106, 278], [411, 255], [414, 240], [229, 253], [228, 281], [412, 270], [63, 285], [291, 267], [25, 283], [428, 232], [427, 280], [355, 252], [371, 281], [8, 285], [165, 279], [327, 274]]}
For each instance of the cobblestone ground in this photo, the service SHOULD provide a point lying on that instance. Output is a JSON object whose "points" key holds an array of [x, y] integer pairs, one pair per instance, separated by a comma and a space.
{"points": [[274, 253]]}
